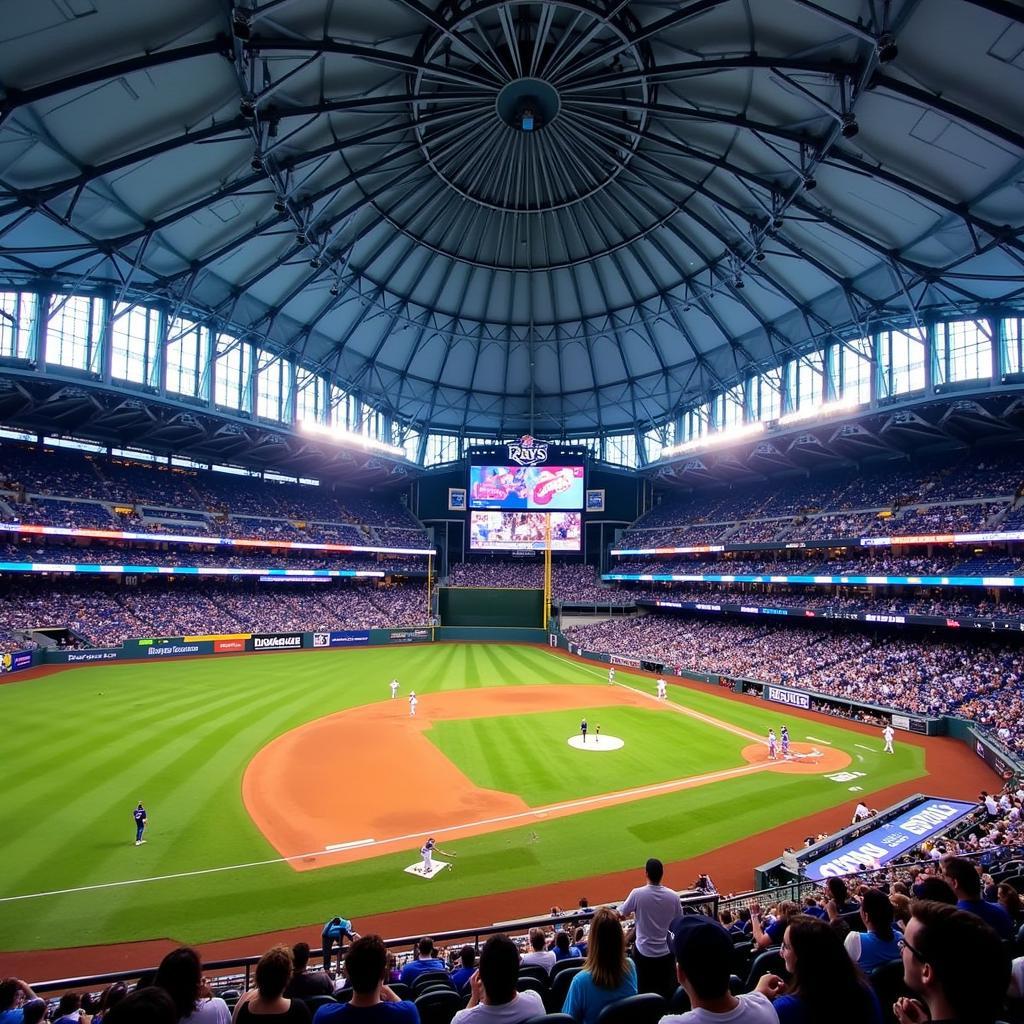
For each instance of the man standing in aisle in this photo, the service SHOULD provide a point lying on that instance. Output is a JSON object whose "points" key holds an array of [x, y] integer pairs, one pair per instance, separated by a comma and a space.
{"points": [[654, 907], [139, 814], [887, 735]]}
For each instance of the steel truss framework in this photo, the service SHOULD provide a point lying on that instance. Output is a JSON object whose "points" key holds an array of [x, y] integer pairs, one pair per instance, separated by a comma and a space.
{"points": [[712, 188]]}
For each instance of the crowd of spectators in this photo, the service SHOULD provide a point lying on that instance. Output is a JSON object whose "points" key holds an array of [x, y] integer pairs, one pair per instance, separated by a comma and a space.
{"points": [[572, 582], [105, 613]]}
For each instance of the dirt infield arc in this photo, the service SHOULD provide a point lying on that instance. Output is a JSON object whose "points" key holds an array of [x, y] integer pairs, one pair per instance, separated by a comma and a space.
{"points": [[338, 824]]}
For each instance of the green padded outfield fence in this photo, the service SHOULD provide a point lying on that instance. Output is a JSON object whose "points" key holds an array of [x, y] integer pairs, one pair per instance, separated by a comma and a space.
{"points": [[488, 606]]}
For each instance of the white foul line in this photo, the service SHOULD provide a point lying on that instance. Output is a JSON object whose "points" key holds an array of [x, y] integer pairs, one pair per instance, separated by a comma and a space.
{"points": [[862, 747], [814, 739]]}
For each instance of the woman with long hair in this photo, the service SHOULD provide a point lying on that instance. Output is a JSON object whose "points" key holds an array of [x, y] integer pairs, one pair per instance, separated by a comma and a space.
{"points": [[267, 1001], [608, 974], [180, 975], [1009, 900], [825, 986]]}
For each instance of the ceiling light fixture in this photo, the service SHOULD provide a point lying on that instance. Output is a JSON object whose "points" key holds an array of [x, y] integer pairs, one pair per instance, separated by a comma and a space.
{"points": [[848, 121]]}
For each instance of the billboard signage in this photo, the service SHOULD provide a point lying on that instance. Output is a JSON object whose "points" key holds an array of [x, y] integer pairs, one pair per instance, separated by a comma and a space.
{"points": [[616, 659], [881, 845], [341, 638], [228, 646], [15, 661], [527, 451], [793, 698], [997, 761], [276, 641], [408, 636]]}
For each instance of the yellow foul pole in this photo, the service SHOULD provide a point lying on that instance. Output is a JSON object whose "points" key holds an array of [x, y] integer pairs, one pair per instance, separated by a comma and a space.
{"points": [[547, 572]]}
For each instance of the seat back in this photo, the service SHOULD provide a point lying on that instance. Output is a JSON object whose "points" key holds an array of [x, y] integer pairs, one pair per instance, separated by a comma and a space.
{"points": [[566, 965], [767, 962], [314, 1003], [429, 978], [554, 1000], [646, 1008], [439, 1006], [534, 971], [526, 983]]}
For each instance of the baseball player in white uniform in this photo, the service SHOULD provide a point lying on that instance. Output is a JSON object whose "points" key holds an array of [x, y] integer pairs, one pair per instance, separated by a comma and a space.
{"points": [[887, 735], [771, 744], [427, 853], [394, 688], [662, 690], [412, 707], [611, 676]]}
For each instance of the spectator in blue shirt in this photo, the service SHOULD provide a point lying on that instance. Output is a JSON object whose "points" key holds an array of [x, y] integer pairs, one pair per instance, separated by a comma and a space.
{"points": [[563, 948], [608, 975], [372, 1002], [13, 993], [426, 960], [965, 882], [462, 974]]}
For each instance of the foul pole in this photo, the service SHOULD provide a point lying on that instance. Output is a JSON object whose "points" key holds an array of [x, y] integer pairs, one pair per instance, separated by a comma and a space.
{"points": [[547, 571]]}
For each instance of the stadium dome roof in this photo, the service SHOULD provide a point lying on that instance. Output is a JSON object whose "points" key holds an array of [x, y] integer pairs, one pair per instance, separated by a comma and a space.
{"points": [[570, 215]]}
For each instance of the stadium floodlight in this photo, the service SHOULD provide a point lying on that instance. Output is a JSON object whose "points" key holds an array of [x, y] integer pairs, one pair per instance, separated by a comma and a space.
{"points": [[715, 440], [350, 439], [849, 126], [840, 405]]}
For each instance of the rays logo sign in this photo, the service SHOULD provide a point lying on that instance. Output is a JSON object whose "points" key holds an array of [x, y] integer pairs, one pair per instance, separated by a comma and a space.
{"points": [[527, 451]]}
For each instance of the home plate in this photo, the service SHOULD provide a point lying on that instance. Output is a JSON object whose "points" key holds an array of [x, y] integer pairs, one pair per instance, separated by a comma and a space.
{"points": [[596, 742], [435, 866]]}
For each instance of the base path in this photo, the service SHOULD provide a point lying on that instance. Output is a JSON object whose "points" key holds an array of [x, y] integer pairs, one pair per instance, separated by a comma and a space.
{"points": [[356, 823]]}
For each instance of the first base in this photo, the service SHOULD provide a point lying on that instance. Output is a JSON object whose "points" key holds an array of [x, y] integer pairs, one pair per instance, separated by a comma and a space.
{"points": [[435, 866]]}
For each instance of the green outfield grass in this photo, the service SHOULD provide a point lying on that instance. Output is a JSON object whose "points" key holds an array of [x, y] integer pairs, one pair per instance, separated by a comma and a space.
{"points": [[83, 746], [659, 745]]}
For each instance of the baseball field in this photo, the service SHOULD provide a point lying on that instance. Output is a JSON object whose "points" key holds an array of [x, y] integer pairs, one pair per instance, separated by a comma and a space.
{"points": [[284, 788]]}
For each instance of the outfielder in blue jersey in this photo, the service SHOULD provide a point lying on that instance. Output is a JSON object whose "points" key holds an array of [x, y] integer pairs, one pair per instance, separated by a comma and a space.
{"points": [[139, 814]]}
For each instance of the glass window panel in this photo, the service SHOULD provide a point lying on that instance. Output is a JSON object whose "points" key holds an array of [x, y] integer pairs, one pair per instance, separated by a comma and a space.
{"points": [[133, 334], [187, 351], [965, 350], [234, 369], [72, 331], [17, 318], [1013, 338], [903, 360], [855, 366], [271, 386]]}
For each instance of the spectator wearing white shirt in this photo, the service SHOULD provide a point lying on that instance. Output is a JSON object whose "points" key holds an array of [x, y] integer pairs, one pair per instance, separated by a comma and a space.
{"points": [[654, 907], [494, 999], [538, 955]]}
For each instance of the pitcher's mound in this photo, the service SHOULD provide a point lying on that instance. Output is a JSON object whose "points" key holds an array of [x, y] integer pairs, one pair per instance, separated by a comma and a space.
{"points": [[596, 742]]}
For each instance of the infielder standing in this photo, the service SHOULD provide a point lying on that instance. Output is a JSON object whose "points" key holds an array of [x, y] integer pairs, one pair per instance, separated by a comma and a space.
{"points": [[394, 688], [887, 735], [662, 690], [771, 744], [412, 704], [611, 676], [785, 741]]}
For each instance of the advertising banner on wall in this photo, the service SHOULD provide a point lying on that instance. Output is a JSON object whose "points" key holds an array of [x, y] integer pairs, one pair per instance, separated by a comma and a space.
{"points": [[881, 845], [15, 661], [781, 695], [276, 642], [998, 762], [232, 646], [616, 659], [341, 638], [408, 636]]}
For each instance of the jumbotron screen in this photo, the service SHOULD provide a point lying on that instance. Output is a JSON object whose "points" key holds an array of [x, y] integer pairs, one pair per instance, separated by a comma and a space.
{"points": [[544, 488], [523, 531]]}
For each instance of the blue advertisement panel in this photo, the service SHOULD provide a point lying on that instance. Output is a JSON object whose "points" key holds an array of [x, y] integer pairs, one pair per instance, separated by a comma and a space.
{"points": [[15, 661], [881, 845], [342, 638]]}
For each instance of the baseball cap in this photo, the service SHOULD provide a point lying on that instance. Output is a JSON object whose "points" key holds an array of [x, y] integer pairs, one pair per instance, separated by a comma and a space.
{"points": [[701, 945]]}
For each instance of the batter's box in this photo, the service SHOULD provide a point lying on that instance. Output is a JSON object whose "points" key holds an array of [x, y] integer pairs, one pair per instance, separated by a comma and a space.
{"points": [[435, 866]]}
